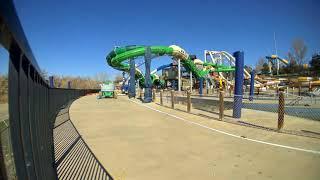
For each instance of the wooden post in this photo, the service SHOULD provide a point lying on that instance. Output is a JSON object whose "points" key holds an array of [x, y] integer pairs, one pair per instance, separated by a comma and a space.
{"points": [[115, 95], [140, 94], [292, 90], [172, 99], [153, 95], [281, 111], [188, 101], [221, 105], [161, 100], [310, 86], [300, 89]]}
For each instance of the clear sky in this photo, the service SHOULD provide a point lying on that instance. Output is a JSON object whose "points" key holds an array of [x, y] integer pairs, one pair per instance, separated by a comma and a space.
{"points": [[73, 37]]}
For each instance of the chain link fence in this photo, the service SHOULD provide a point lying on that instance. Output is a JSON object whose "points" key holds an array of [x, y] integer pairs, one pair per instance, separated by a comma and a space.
{"points": [[270, 111]]}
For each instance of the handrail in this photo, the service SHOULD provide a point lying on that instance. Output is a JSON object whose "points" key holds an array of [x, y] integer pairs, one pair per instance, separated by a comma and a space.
{"points": [[33, 105], [12, 31]]}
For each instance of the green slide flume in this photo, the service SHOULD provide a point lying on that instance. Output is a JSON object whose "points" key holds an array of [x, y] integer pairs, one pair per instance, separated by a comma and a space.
{"points": [[117, 57]]}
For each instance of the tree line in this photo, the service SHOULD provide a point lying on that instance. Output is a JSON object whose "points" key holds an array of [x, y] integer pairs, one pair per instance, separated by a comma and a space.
{"points": [[78, 82], [60, 81]]}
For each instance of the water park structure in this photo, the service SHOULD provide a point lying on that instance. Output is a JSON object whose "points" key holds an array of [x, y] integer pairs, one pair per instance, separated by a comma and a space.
{"points": [[268, 100], [54, 132], [116, 57], [220, 70], [275, 60]]}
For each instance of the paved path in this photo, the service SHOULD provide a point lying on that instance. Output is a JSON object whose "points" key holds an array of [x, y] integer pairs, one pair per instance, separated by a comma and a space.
{"points": [[137, 142]]}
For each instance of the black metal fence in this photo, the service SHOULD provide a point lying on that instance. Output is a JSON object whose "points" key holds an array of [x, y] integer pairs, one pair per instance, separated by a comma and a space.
{"points": [[73, 158], [33, 105]]}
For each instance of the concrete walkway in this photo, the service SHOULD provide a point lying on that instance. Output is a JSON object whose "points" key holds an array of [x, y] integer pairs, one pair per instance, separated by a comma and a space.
{"points": [[133, 141]]}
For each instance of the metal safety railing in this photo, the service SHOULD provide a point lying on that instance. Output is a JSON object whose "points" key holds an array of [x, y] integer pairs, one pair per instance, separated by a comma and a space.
{"points": [[33, 105], [73, 158]]}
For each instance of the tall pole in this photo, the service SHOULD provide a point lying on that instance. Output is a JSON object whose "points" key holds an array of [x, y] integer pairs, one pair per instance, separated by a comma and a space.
{"points": [[275, 47], [179, 75], [132, 81], [207, 83], [148, 90], [275, 43], [238, 88], [123, 81]]}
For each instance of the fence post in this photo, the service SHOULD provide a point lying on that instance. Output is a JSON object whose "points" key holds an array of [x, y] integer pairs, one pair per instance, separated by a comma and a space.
{"points": [[300, 89], [188, 101], [281, 110], [141, 93], [292, 90], [172, 99], [310, 86], [153, 95], [161, 100], [115, 94], [221, 104]]}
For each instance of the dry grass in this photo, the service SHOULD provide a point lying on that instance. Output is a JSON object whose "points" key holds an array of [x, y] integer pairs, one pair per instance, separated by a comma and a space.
{"points": [[3, 88], [59, 82], [76, 82]]}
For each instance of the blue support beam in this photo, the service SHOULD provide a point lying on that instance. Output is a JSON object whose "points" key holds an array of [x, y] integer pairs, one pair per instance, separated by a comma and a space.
{"points": [[174, 85], [123, 81], [148, 83], [252, 74], [163, 67], [132, 81], [238, 88], [201, 86]]}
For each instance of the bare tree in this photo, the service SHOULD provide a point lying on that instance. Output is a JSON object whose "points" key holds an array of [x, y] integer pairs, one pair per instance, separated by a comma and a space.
{"points": [[315, 65], [298, 51], [44, 74], [101, 77], [259, 64], [118, 78]]}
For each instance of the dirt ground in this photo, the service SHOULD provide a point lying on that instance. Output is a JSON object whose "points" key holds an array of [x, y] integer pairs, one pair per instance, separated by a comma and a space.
{"points": [[133, 141]]}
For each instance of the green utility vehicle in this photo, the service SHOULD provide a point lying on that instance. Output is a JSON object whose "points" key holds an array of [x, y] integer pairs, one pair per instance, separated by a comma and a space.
{"points": [[107, 90]]}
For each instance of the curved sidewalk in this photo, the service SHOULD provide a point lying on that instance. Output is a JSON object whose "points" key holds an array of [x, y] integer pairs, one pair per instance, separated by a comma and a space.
{"points": [[138, 141]]}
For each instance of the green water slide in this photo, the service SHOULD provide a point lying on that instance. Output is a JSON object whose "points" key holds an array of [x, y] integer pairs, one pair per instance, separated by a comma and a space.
{"points": [[119, 55]]}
